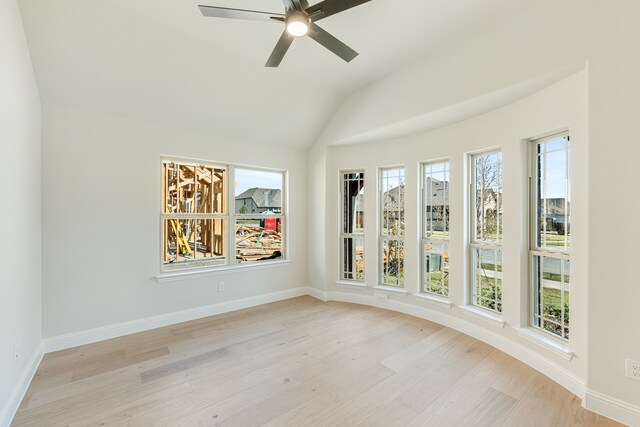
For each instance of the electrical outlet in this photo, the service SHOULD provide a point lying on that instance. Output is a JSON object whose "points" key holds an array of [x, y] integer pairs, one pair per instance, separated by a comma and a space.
{"points": [[16, 353], [633, 369], [221, 286]]}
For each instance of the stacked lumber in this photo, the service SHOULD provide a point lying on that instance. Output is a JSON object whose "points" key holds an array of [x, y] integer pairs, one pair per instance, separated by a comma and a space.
{"points": [[255, 243]]}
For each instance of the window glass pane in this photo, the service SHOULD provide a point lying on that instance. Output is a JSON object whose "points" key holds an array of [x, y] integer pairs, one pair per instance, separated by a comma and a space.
{"points": [[193, 189], [258, 239], [488, 197], [392, 221], [551, 294], [258, 192], [553, 194], [436, 268], [487, 278], [353, 258], [436, 200], [353, 203], [194, 242], [393, 262]]}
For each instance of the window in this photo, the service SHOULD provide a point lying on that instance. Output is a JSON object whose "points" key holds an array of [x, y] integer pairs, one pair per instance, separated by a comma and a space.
{"points": [[194, 215], [435, 228], [550, 234], [196, 220], [352, 228], [392, 226], [258, 214], [486, 230]]}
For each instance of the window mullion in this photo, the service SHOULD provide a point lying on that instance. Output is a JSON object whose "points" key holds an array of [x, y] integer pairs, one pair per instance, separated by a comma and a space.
{"points": [[231, 210]]}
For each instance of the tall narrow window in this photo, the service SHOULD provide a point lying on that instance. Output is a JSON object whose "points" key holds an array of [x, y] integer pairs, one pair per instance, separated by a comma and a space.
{"points": [[550, 234], [194, 215], [435, 228], [392, 227], [486, 230], [352, 230]]}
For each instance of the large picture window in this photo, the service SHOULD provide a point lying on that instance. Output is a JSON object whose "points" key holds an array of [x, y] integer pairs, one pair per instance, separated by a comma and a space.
{"points": [[550, 234], [196, 220], [435, 228], [486, 230], [352, 227], [392, 230]]}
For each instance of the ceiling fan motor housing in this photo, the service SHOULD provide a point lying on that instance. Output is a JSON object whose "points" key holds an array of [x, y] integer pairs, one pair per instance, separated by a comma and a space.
{"points": [[298, 23]]}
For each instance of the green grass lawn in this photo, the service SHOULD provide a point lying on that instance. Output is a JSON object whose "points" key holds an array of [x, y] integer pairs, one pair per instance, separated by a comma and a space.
{"points": [[491, 267], [437, 282], [552, 310], [552, 238], [393, 280]]}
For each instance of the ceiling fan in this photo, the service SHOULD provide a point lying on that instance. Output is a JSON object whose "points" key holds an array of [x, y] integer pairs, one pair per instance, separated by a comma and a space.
{"points": [[300, 20]]}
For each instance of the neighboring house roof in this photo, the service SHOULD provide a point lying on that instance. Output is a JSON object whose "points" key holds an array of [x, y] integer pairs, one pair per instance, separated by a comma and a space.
{"points": [[438, 196], [263, 197]]}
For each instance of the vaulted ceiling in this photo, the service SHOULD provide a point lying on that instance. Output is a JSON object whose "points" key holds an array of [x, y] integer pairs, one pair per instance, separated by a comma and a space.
{"points": [[161, 61]]}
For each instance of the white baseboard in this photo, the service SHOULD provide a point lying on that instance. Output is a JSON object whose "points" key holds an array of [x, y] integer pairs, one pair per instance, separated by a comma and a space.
{"points": [[89, 336], [10, 407], [602, 404], [613, 408], [316, 293]]}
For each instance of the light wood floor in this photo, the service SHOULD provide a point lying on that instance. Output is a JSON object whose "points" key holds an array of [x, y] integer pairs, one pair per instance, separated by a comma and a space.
{"points": [[296, 363]]}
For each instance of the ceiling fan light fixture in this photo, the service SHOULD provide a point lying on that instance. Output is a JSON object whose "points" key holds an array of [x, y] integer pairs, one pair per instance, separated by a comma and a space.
{"points": [[297, 24]]}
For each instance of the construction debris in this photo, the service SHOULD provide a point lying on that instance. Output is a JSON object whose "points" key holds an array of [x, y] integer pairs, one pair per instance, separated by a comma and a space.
{"points": [[254, 243]]}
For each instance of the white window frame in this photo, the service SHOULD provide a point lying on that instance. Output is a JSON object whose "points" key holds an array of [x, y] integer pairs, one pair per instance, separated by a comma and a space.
{"points": [[359, 235], [545, 252], [229, 216], [483, 244], [424, 240], [400, 238], [233, 216]]}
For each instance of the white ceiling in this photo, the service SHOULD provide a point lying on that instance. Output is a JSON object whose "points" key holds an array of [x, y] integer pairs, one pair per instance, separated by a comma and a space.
{"points": [[161, 61]]}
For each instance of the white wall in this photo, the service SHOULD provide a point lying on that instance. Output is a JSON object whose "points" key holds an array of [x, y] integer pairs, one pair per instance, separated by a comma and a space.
{"points": [[101, 198], [20, 247], [549, 38]]}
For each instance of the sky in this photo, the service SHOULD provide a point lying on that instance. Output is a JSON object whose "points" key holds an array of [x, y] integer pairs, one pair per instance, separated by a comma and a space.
{"points": [[556, 168], [249, 178]]}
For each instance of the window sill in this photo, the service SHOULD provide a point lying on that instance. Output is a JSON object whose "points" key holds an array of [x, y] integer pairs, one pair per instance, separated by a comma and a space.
{"points": [[351, 283], [478, 313], [433, 299], [173, 276], [547, 342], [402, 291]]}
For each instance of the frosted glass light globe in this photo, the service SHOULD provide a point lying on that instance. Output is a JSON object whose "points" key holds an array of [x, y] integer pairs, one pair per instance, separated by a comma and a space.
{"points": [[297, 24]]}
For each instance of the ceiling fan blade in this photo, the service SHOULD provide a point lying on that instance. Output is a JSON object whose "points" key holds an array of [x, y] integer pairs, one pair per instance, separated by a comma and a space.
{"points": [[291, 5], [252, 15], [331, 7], [280, 50], [332, 43]]}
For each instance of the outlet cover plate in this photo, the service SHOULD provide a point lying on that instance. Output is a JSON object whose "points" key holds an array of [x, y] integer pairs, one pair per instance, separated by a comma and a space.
{"points": [[633, 369]]}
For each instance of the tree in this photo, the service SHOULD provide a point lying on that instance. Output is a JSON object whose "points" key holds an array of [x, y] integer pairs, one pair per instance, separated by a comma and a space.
{"points": [[488, 195], [244, 209]]}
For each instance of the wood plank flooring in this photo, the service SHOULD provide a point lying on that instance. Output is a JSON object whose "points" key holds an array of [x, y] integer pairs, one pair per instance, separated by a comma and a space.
{"points": [[299, 362]]}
